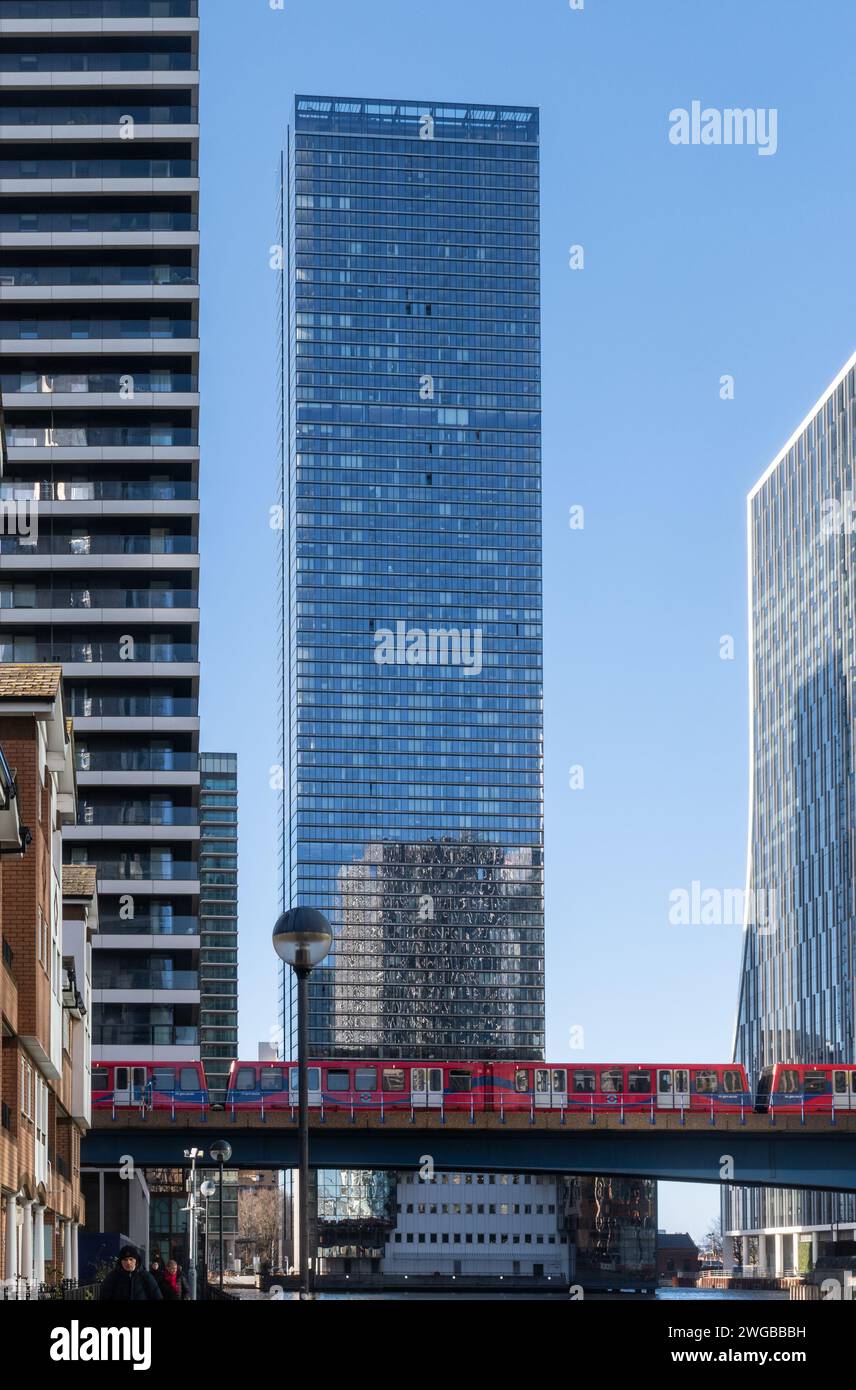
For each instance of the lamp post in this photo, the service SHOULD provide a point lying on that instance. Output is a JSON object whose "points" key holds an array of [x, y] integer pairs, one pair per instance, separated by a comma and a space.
{"points": [[302, 938], [207, 1190], [192, 1237], [221, 1152]]}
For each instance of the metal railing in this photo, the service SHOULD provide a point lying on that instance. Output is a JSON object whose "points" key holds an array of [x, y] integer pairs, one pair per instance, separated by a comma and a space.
{"points": [[90, 653], [87, 329], [61, 490], [100, 545], [135, 813], [73, 114], [100, 9], [108, 598], [152, 436]]}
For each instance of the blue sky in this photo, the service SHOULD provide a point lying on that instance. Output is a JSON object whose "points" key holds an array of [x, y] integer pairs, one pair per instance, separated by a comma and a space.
{"points": [[699, 262]]}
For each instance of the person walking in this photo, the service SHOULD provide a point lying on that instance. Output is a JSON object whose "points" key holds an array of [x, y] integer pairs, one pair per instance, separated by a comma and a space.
{"points": [[128, 1282], [174, 1287]]}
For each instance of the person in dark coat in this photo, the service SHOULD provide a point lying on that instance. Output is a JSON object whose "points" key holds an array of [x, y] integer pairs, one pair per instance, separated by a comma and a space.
{"points": [[128, 1282], [173, 1285]]}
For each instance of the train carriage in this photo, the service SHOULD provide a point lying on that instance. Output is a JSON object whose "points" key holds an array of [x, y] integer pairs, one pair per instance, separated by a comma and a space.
{"points": [[149, 1086], [621, 1086], [806, 1088], [360, 1085]]}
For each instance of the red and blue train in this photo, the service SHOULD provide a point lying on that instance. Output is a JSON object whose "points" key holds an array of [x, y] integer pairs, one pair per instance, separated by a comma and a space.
{"points": [[478, 1086]]}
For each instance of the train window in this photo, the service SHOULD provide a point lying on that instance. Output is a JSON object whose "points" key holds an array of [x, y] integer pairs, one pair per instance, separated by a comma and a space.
{"points": [[435, 1078], [365, 1079], [542, 1081], [560, 1081], [338, 1080], [664, 1083], [639, 1083], [789, 1081], [839, 1083], [417, 1079], [732, 1082], [163, 1079], [314, 1074], [245, 1079], [188, 1079], [273, 1079], [612, 1080], [521, 1081], [460, 1080], [816, 1083], [584, 1082], [682, 1081], [101, 1079], [853, 1082], [393, 1078], [705, 1083]]}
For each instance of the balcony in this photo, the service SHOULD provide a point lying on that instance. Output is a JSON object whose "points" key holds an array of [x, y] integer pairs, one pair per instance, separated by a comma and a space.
{"points": [[153, 436], [99, 169], [134, 760], [87, 652], [37, 599], [57, 60], [95, 277], [90, 329], [114, 490], [144, 979], [160, 1035], [143, 870], [11, 831], [100, 9], [22, 113], [172, 925], [135, 813], [82, 706], [100, 545]]}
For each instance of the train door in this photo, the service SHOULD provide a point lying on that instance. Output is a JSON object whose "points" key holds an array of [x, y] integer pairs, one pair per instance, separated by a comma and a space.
{"points": [[559, 1087], [673, 1088], [840, 1089], [426, 1088], [129, 1085], [542, 1088], [313, 1084]]}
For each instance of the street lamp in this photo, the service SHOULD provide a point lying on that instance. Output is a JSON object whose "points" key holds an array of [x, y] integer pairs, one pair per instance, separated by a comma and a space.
{"points": [[302, 938], [221, 1152], [192, 1237], [207, 1190]]}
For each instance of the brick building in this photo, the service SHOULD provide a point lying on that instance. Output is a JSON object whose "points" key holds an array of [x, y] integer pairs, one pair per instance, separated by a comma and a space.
{"points": [[677, 1254], [48, 916]]}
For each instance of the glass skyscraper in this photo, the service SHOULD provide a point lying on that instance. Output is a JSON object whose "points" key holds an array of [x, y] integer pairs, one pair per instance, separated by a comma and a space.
{"points": [[411, 574], [218, 916], [796, 999]]}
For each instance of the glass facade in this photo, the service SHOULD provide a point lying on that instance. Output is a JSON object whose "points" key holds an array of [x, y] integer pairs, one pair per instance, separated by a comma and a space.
{"points": [[218, 917], [796, 997], [411, 574]]}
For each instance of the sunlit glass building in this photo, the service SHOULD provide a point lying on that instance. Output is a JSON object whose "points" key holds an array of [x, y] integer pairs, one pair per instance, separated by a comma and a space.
{"points": [[796, 1001]]}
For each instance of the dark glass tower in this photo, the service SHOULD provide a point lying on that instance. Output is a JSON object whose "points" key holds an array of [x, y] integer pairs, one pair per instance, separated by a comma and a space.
{"points": [[218, 916], [411, 574]]}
